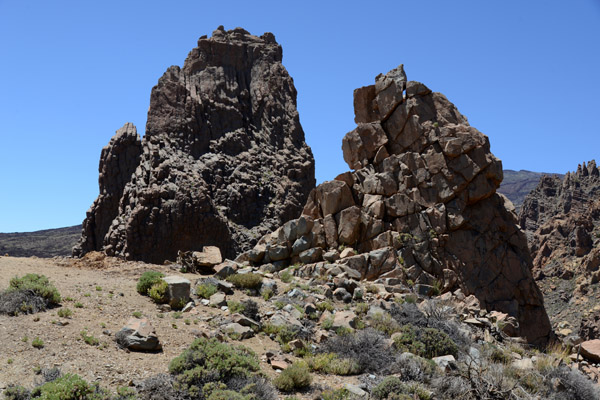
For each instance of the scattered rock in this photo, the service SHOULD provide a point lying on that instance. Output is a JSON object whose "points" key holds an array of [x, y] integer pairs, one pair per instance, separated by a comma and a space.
{"points": [[138, 335]]}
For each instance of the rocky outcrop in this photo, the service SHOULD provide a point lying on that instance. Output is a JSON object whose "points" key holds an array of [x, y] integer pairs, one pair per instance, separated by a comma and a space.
{"points": [[223, 160], [561, 218], [420, 208], [516, 185]]}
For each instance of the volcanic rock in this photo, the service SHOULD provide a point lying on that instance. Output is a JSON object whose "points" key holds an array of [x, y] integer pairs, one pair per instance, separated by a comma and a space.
{"points": [[223, 160], [138, 335], [422, 205], [561, 218]]}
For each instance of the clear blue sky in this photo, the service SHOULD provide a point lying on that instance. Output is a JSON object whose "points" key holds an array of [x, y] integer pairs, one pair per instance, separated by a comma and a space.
{"points": [[525, 73]]}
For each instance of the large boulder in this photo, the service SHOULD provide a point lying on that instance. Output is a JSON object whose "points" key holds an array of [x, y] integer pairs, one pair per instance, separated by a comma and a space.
{"points": [[223, 160], [424, 193]]}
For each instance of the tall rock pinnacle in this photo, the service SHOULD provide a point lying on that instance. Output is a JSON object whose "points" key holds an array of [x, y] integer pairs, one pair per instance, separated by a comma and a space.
{"points": [[420, 207], [223, 160]]}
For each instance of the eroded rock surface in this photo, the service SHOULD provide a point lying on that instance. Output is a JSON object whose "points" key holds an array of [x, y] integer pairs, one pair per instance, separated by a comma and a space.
{"points": [[223, 160], [421, 207], [562, 218]]}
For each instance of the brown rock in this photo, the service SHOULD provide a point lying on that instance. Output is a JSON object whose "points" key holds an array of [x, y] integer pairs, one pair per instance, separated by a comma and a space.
{"points": [[591, 350], [424, 189], [223, 160]]}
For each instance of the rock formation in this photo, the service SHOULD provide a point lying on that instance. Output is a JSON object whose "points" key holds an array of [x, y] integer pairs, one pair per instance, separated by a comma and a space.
{"points": [[223, 160], [561, 218], [516, 185], [421, 207]]}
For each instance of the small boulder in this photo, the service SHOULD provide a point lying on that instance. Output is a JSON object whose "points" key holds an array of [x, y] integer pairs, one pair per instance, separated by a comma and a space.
{"points": [[138, 335], [178, 292], [344, 319], [591, 350], [445, 363], [236, 330], [218, 300]]}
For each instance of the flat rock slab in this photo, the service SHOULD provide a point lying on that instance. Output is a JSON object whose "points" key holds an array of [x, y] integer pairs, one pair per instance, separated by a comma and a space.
{"points": [[591, 350], [138, 335], [208, 257]]}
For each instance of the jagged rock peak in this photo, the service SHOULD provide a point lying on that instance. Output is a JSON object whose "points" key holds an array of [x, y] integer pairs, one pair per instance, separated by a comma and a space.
{"points": [[421, 207], [223, 160], [559, 217]]}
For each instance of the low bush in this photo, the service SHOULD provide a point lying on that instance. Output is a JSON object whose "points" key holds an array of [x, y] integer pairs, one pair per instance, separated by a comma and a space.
{"points": [[27, 295], [367, 349], [235, 306], [158, 292], [392, 388], [330, 363], [69, 387], [295, 377], [207, 361], [246, 281], [205, 290], [37, 343], [89, 339], [147, 280], [427, 342], [64, 313], [384, 323]]}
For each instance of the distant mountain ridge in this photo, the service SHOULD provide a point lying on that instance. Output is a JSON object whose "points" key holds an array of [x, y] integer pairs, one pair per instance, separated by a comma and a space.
{"points": [[45, 243], [518, 184]]}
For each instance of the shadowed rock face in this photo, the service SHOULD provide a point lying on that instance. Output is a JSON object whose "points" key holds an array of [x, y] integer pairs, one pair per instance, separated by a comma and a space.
{"points": [[421, 205], [223, 160]]}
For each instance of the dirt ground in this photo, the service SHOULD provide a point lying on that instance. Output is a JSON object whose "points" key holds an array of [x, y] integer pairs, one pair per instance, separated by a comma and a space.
{"points": [[109, 299], [106, 289]]}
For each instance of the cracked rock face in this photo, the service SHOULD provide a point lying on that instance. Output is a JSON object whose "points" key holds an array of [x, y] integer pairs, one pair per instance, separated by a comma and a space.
{"points": [[421, 205], [223, 160]]}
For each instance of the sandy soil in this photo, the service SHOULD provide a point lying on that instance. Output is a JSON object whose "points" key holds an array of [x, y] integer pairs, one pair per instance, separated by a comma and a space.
{"points": [[106, 289], [107, 292]]}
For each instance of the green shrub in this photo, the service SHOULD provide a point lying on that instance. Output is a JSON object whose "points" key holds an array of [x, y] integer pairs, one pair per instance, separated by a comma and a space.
{"points": [[393, 388], [246, 281], [286, 276], [330, 363], [205, 290], [38, 284], [89, 339], [78, 305], [68, 387], [27, 295], [267, 294], [17, 393], [338, 394], [158, 292], [137, 314], [147, 280], [235, 306], [325, 306], [64, 313], [294, 378], [37, 343], [361, 308], [211, 361], [384, 323], [425, 342]]}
